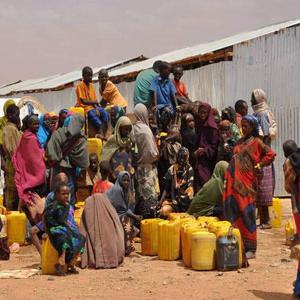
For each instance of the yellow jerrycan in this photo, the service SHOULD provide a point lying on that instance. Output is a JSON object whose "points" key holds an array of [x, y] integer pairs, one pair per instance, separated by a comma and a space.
{"points": [[16, 227], [169, 240], [214, 227], [49, 257], [176, 216], [77, 110], [77, 215], [186, 244], [149, 234], [289, 232], [275, 212], [1, 200], [205, 221], [95, 146], [203, 253]]}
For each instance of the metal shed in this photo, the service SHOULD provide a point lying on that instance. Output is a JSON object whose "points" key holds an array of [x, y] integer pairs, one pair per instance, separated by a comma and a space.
{"points": [[224, 71]]}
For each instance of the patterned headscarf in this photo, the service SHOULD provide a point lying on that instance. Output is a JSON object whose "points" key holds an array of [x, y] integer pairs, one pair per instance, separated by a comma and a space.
{"points": [[254, 123]]}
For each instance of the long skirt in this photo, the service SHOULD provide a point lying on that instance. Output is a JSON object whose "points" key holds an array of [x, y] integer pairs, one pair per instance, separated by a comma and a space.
{"points": [[239, 204], [128, 227], [146, 190], [265, 187], [103, 231]]}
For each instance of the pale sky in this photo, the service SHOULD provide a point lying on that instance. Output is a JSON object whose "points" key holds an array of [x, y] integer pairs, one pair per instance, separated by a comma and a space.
{"points": [[41, 37]]}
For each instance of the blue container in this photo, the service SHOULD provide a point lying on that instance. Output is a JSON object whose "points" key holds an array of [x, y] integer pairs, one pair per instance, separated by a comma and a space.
{"points": [[227, 252]]}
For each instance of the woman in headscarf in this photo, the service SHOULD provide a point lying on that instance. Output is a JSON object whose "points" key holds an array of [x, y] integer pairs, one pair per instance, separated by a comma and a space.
{"points": [[118, 149], [207, 200], [188, 134], [30, 169], [239, 197], [121, 197], [64, 117], [67, 151], [267, 132], [179, 190], [146, 156], [63, 231], [104, 234], [48, 123], [3, 122], [207, 145], [11, 138]]}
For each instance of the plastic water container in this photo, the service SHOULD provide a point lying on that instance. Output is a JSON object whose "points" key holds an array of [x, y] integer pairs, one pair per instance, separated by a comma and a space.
{"points": [[95, 146], [275, 212], [49, 257], [77, 215], [205, 221], [223, 232], [186, 241], [149, 234], [16, 227], [289, 232], [1, 200], [228, 252], [177, 216], [169, 240], [203, 253], [214, 227], [77, 110]]}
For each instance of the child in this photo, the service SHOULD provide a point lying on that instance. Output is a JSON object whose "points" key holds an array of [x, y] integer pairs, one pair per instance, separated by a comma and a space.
{"points": [[38, 229], [179, 185], [291, 170], [103, 184], [241, 109], [86, 98], [181, 90], [168, 152], [163, 93], [88, 178], [63, 232], [109, 92]]}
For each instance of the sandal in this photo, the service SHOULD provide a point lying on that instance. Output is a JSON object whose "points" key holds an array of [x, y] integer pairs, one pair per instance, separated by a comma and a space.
{"points": [[265, 226], [250, 255], [72, 270], [59, 270]]}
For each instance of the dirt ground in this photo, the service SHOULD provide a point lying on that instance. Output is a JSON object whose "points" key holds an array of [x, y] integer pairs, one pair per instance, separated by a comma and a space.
{"points": [[270, 276]]}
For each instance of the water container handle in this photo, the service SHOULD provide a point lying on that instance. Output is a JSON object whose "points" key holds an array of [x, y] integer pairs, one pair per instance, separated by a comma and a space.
{"points": [[229, 233]]}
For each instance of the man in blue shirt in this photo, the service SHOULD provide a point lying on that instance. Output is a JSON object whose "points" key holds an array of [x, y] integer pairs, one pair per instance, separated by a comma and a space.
{"points": [[163, 94]]}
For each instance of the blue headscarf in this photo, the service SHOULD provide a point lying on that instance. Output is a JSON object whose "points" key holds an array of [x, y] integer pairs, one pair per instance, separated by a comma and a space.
{"points": [[254, 123]]}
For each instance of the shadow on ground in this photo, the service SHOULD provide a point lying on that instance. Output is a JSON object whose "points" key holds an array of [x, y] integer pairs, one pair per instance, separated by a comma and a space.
{"points": [[271, 295]]}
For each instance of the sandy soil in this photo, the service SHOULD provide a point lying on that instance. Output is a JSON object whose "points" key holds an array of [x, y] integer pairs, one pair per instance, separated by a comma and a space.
{"points": [[270, 276]]}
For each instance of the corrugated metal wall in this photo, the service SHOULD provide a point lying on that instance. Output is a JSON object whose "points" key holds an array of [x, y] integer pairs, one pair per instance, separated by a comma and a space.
{"points": [[269, 62]]}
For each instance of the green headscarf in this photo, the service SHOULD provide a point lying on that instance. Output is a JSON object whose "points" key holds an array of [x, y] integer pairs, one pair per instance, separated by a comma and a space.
{"points": [[3, 120], [116, 141], [211, 193]]}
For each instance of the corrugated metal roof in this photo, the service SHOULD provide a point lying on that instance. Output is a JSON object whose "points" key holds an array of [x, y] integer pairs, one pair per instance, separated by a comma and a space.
{"points": [[201, 49], [54, 81]]}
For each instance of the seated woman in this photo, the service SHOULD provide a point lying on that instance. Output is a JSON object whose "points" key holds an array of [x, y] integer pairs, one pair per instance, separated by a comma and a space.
{"points": [[121, 197], [102, 228], [63, 231], [30, 170], [103, 184], [179, 185], [118, 149], [209, 198]]}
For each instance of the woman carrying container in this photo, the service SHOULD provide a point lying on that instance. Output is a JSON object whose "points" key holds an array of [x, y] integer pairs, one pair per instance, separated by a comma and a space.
{"points": [[250, 156]]}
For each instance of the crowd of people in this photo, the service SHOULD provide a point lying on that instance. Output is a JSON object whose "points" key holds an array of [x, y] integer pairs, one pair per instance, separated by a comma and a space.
{"points": [[171, 154]]}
